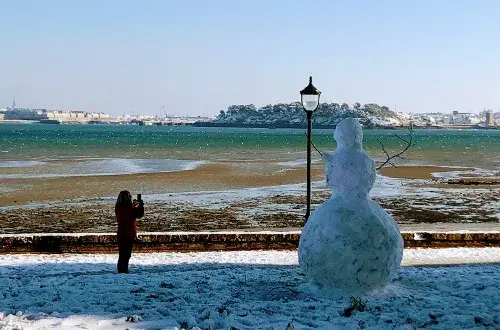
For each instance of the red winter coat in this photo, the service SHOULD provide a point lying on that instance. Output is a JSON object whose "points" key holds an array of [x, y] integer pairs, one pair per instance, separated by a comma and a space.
{"points": [[126, 218]]}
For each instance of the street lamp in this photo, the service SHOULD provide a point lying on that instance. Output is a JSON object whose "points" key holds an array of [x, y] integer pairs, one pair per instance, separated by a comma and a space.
{"points": [[309, 97]]}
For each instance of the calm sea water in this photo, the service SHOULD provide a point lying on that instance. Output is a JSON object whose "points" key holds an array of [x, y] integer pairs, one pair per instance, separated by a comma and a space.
{"points": [[39, 142]]}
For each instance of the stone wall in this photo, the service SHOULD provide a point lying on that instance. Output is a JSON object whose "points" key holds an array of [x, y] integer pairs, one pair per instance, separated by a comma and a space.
{"points": [[444, 240], [186, 242]]}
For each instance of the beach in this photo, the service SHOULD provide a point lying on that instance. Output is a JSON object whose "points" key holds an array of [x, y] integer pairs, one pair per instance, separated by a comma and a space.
{"points": [[65, 178], [248, 195]]}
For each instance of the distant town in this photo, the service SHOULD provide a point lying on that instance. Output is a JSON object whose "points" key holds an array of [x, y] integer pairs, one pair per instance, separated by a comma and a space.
{"points": [[270, 116], [66, 116], [485, 118]]}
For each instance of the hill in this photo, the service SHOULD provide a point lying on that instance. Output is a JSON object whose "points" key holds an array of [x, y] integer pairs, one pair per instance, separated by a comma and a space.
{"points": [[292, 114]]}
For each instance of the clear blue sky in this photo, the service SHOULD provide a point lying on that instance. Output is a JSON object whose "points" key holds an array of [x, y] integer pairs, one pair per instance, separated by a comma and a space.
{"points": [[198, 57]]}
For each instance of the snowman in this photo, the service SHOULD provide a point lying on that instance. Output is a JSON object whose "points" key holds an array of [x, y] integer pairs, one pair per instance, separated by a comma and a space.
{"points": [[350, 243]]}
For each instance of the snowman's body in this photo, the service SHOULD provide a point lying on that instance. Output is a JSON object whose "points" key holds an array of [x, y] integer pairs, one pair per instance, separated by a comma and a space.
{"points": [[350, 243]]}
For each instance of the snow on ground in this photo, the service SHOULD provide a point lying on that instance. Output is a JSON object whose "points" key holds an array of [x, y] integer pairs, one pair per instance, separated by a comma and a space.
{"points": [[243, 289]]}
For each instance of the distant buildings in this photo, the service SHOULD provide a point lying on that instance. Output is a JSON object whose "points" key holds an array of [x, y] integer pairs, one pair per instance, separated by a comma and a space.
{"points": [[456, 118], [165, 121], [21, 114], [41, 114], [78, 116], [490, 119], [465, 118], [81, 117]]}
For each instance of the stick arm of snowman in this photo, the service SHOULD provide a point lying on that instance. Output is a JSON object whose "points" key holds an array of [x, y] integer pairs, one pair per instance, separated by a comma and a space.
{"points": [[389, 158]]}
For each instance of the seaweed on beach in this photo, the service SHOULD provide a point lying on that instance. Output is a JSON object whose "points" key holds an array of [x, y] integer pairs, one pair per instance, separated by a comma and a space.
{"points": [[276, 211]]}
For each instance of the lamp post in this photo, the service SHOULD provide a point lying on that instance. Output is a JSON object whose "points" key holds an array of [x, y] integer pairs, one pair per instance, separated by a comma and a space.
{"points": [[309, 97]]}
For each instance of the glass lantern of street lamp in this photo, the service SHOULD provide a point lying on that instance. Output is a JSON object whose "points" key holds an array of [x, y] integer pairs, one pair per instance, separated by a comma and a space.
{"points": [[309, 97]]}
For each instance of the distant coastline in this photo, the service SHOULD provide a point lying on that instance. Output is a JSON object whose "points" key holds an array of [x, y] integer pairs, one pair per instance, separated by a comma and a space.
{"points": [[244, 125], [281, 115]]}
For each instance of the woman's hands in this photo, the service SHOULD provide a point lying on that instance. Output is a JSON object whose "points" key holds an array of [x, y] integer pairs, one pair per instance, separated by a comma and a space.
{"points": [[137, 203]]}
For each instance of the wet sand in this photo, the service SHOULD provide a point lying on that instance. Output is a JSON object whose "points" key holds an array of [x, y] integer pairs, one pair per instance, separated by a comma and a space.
{"points": [[208, 177]]}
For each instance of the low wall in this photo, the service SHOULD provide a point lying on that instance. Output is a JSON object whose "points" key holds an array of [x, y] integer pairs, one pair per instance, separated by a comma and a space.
{"points": [[186, 242]]}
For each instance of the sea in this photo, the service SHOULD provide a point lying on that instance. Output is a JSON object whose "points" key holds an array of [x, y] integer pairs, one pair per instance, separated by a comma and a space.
{"points": [[121, 149]]}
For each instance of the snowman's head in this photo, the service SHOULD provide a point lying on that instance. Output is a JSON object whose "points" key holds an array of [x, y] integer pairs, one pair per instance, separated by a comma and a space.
{"points": [[350, 171], [349, 134]]}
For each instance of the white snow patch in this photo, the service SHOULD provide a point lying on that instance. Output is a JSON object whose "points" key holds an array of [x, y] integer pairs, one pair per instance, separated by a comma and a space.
{"points": [[244, 289], [101, 167]]}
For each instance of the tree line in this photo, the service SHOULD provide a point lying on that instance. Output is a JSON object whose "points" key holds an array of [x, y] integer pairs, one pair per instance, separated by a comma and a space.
{"points": [[293, 113]]}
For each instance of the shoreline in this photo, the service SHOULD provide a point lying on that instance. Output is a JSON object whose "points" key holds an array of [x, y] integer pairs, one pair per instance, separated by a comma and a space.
{"points": [[231, 125]]}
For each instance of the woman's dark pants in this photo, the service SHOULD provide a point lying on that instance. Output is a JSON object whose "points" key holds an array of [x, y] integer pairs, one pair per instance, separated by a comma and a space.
{"points": [[125, 252]]}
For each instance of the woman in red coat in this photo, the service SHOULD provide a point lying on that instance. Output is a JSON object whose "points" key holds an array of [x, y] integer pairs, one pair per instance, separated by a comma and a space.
{"points": [[127, 211]]}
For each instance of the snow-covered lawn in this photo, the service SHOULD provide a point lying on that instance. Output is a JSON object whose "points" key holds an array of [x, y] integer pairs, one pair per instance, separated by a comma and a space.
{"points": [[244, 290]]}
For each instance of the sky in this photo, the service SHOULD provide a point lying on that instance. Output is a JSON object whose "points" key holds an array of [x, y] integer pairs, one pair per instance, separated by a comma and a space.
{"points": [[197, 57]]}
